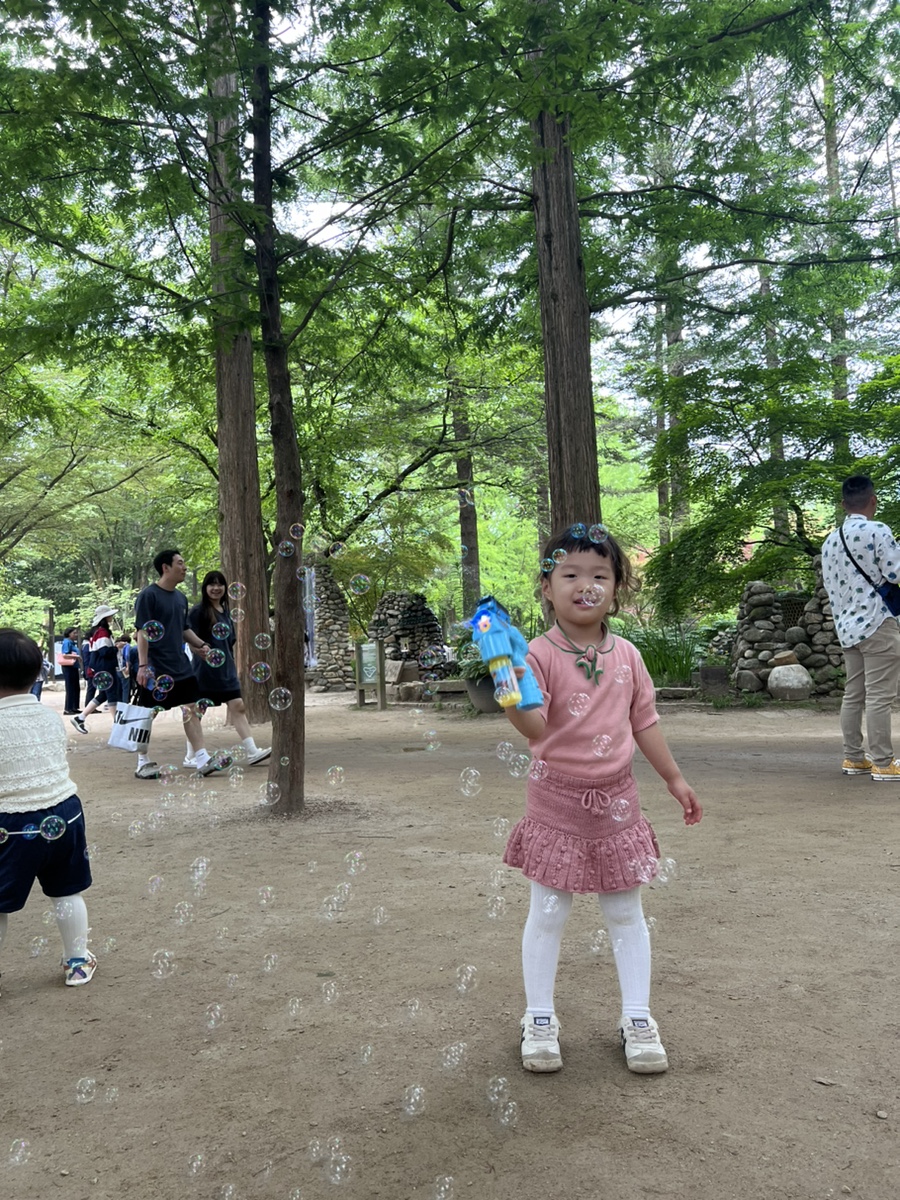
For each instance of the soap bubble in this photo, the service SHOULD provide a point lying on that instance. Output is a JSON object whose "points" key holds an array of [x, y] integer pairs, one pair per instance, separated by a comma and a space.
{"points": [[538, 769], [365, 1054], [19, 1152], [559, 556], [413, 1100], [620, 809], [301, 574], [330, 991], [295, 1006], [379, 916], [431, 657], [64, 909], [496, 907], [598, 534], [39, 946], [464, 551], [4, 836], [260, 672], [221, 630], [266, 897], [443, 1188], [644, 869], [338, 1167], [162, 964], [593, 595], [280, 699], [199, 869], [355, 862], [500, 827], [497, 1090], [270, 963], [165, 683], [111, 1095], [237, 591], [153, 630], [86, 1090], [286, 549], [296, 531], [203, 705], [184, 913], [214, 1016], [465, 497], [336, 549], [578, 530], [470, 781], [196, 1163], [268, 793], [431, 739], [284, 760], [508, 1114], [651, 924], [453, 1056], [466, 978], [102, 680], [547, 565], [519, 765], [155, 884], [52, 828], [315, 1151], [622, 674], [666, 871], [579, 703], [360, 584], [262, 641], [231, 982], [505, 751], [601, 745], [238, 615], [550, 904], [413, 1008]]}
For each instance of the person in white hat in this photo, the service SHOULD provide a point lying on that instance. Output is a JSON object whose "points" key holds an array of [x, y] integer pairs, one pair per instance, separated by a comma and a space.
{"points": [[100, 661]]}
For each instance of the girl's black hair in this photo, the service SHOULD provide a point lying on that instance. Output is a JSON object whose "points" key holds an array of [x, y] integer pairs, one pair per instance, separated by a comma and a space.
{"points": [[21, 659], [68, 632], [209, 609], [575, 539]]}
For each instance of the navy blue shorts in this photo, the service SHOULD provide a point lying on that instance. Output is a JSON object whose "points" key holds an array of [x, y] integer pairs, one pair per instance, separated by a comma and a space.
{"points": [[186, 691], [60, 865]]}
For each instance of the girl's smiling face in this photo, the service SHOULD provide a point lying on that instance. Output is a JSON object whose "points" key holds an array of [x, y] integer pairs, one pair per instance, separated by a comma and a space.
{"points": [[215, 591], [581, 589]]}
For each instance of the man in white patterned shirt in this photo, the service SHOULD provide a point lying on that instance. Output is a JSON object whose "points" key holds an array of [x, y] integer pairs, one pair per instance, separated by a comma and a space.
{"points": [[868, 632]]}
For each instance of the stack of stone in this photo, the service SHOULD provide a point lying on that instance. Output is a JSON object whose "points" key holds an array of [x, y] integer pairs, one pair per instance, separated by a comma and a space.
{"points": [[823, 658], [333, 671], [406, 625], [759, 636]]}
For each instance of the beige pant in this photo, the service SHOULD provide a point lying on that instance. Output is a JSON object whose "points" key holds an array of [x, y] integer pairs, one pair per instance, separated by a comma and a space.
{"points": [[873, 675]]}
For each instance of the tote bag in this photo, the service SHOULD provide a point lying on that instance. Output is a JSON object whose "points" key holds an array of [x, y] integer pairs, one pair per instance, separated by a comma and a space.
{"points": [[131, 727]]}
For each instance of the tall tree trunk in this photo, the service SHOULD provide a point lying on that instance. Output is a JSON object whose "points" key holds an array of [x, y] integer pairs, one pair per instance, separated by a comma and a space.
{"points": [[780, 518], [240, 512], [663, 497], [837, 323], [468, 513], [287, 764], [566, 328]]}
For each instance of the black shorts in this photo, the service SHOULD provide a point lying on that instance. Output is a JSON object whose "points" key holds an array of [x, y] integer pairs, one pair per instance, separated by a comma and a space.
{"points": [[185, 691], [60, 865], [217, 698]]}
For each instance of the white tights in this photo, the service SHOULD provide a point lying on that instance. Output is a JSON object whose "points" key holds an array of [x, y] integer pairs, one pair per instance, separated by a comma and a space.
{"points": [[542, 939], [72, 921]]}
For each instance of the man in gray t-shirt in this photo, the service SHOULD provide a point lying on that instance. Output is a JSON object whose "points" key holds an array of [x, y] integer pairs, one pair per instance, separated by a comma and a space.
{"points": [[165, 678]]}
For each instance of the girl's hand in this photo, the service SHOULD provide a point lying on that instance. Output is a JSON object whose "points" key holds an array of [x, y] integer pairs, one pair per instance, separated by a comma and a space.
{"points": [[685, 796]]}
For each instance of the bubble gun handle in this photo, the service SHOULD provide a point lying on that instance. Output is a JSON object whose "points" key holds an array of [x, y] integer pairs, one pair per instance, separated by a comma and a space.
{"points": [[493, 635]]}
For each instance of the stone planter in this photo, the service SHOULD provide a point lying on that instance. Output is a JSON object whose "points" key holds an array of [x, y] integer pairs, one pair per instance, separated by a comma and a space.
{"points": [[715, 681], [481, 694]]}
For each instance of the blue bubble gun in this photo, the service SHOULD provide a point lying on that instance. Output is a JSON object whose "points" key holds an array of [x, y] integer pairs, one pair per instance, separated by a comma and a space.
{"points": [[502, 647]]}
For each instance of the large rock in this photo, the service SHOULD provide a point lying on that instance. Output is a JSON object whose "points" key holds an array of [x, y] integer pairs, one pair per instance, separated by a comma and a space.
{"points": [[792, 682], [747, 681], [794, 635], [784, 658]]}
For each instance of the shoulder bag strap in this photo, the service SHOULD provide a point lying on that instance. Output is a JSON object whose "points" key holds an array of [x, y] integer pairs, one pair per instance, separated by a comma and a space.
{"points": [[853, 560]]}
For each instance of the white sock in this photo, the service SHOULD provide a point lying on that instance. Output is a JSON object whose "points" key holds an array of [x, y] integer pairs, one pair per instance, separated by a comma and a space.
{"points": [[249, 745], [630, 939], [72, 920], [142, 759], [189, 753], [541, 941], [201, 757]]}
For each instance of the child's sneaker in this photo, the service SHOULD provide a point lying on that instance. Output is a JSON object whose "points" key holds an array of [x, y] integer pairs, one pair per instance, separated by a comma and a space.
{"points": [[79, 724], [852, 766], [644, 1052], [147, 770], [540, 1044], [889, 772], [80, 970], [258, 756]]}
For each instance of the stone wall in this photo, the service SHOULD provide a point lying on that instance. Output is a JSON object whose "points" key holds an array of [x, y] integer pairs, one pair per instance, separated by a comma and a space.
{"points": [[333, 671], [769, 623], [406, 624]]}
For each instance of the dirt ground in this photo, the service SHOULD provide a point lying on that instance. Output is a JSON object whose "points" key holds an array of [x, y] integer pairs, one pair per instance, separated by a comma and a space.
{"points": [[775, 983]]}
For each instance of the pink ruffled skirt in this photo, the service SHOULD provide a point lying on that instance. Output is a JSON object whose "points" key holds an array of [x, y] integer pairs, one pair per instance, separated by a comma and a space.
{"points": [[584, 835]]}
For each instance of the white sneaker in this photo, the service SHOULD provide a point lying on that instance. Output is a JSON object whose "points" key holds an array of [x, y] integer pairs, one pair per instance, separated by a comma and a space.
{"points": [[147, 770], [80, 970], [644, 1052], [191, 763], [540, 1044], [258, 756]]}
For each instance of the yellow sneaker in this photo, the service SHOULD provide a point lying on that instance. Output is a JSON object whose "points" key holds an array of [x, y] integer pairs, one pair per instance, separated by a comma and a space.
{"points": [[850, 767], [891, 771]]}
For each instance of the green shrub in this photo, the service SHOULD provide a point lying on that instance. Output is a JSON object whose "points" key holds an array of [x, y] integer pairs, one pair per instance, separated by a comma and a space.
{"points": [[670, 652]]}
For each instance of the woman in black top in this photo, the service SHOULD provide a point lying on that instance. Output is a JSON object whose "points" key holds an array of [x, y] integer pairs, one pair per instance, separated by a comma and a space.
{"points": [[211, 621]]}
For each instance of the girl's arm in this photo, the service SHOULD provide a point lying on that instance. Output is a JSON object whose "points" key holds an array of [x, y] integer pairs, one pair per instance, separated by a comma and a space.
{"points": [[655, 749]]}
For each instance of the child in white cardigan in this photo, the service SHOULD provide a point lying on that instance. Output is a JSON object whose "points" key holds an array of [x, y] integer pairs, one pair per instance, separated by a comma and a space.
{"points": [[42, 834]]}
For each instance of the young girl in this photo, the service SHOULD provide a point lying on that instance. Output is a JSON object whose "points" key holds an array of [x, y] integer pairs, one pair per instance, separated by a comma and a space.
{"points": [[583, 830], [102, 659], [209, 620]]}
